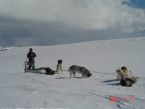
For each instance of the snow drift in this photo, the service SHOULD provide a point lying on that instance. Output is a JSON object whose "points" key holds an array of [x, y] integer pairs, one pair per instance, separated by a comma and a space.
{"points": [[102, 58]]}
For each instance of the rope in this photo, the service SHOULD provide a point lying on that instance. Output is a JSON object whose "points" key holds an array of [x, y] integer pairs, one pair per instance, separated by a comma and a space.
{"points": [[65, 70], [98, 72], [103, 73]]}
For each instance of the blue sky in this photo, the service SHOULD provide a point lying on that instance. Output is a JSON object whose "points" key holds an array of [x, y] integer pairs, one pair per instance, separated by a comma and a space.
{"points": [[52, 22], [137, 3]]}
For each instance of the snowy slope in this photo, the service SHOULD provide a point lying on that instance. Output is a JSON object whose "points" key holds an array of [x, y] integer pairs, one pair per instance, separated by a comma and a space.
{"points": [[102, 58]]}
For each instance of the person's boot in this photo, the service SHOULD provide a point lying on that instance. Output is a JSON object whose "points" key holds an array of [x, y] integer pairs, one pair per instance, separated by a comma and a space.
{"points": [[33, 66]]}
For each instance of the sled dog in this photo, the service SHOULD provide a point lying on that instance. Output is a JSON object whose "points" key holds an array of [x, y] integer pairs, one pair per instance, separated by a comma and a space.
{"points": [[81, 70], [49, 71], [59, 67], [122, 73]]}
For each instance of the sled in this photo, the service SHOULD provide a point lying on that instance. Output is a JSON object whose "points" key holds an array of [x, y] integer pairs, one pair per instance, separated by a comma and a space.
{"points": [[36, 70], [41, 70]]}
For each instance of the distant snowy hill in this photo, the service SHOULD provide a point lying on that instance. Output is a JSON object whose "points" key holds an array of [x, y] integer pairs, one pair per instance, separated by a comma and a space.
{"points": [[102, 58]]}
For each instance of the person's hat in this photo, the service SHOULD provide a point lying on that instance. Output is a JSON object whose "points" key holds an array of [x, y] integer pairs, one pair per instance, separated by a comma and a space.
{"points": [[30, 49]]}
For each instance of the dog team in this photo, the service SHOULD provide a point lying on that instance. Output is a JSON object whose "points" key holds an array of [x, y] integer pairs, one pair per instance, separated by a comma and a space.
{"points": [[30, 66], [123, 73]]}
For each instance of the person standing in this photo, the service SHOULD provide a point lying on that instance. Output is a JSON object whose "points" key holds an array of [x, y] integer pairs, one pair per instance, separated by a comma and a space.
{"points": [[31, 57]]}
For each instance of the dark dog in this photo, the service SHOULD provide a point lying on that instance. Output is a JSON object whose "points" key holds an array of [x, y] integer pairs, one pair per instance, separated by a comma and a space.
{"points": [[49, 71], [81, 70]]}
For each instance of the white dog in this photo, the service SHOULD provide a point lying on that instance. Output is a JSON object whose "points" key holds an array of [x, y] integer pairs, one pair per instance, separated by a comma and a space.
{"points": [[59, 68]]}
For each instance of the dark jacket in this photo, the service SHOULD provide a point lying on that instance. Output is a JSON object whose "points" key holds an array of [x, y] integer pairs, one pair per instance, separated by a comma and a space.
{"points": [[31, 55]]}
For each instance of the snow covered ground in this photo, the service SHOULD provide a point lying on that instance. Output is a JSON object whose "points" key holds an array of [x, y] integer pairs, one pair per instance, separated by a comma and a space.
{"points": [[102, 58]]}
